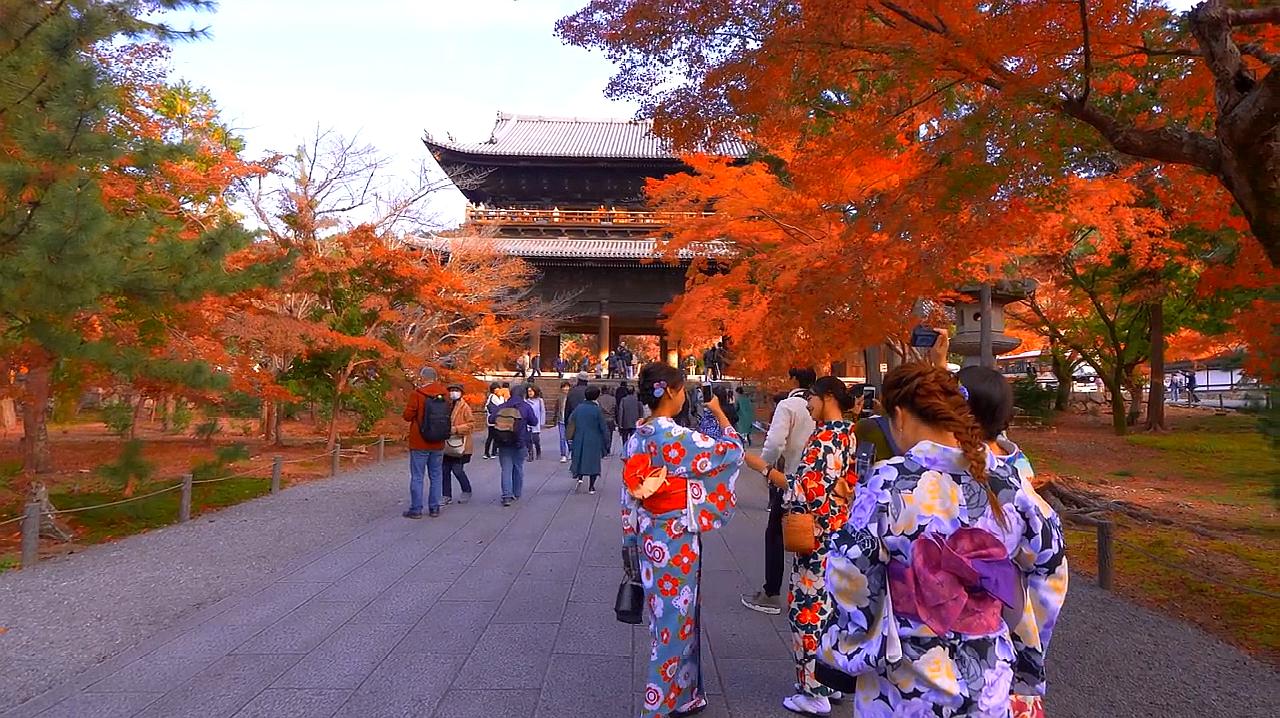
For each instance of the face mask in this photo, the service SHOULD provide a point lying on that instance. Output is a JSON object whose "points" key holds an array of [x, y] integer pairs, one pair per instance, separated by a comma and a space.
{"points": [[455, 395]]}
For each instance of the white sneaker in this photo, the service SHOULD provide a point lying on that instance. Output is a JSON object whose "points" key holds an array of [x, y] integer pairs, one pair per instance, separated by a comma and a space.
{"points": [[564, 459], [807, 705]]}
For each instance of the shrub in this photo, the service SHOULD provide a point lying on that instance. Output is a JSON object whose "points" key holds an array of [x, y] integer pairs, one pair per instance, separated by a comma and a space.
{"points": [[118, 416], [207, 429], [216, 467], [181, 419], [130, 469], [1034, 399]]}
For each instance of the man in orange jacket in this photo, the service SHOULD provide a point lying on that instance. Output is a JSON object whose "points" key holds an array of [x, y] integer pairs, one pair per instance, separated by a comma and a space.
{"points": [[427, 410]]}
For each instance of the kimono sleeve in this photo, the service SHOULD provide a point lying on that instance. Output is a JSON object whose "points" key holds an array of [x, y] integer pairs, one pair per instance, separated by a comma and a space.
{"points": [[856, 577], [1041, 555], [716, 463]]}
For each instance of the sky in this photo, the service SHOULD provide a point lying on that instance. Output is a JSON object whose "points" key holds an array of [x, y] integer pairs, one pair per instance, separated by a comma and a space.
{"points": [[386, 70]]}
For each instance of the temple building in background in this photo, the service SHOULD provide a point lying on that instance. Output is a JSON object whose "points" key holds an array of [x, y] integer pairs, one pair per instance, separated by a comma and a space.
{"points": [[567, 195]]}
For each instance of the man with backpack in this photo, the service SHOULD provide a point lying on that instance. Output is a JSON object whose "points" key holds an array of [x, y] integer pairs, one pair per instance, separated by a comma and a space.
{"points": [[512, 424], [430, 425]]}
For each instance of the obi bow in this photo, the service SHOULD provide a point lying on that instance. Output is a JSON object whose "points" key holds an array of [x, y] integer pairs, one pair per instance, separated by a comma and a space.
{"points": [[956, 583]]}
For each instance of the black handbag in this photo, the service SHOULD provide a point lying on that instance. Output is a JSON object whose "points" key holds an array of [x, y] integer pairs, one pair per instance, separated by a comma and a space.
{"points": [[628, 606]]}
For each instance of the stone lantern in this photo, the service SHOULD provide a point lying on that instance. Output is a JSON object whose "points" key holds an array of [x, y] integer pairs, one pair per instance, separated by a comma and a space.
{"points": [[969, 325]]}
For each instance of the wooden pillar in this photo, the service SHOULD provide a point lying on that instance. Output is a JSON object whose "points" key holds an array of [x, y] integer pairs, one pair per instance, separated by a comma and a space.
{"points": [[535, 337], [604, 331]]}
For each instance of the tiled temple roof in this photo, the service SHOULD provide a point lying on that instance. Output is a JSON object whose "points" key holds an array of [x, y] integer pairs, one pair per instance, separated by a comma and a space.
{"points": [[537, 136], [569, 248]]}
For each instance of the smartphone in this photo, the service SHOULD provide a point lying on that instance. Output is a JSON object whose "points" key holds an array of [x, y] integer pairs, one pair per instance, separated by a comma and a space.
{"points": [[706, 393], [868, 401], [923, 337]]}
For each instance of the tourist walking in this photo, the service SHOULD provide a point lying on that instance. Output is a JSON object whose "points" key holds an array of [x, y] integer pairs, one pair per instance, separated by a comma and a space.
{"points": [[609, 407], [587, 432], [534, 396], [576, 396], [679, 485], [746, 415], [819, 486], [939, 531], [990, 400], [511, 429], [630, 412], [522, 365], [491, 404], [556, 409], [427, 412], [458, 448], [535, 365], [788, 433]]}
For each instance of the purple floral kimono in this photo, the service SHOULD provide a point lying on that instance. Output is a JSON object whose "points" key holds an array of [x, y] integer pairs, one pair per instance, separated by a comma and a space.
{"points": [[912, 653]]}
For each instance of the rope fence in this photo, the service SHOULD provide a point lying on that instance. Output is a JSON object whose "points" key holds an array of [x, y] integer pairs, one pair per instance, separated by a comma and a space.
{"points": [[1107, 542], [37, 513]]}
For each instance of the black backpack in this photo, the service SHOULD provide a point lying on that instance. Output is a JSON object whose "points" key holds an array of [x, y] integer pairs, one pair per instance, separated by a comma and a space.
{"points": [[435, 424]]}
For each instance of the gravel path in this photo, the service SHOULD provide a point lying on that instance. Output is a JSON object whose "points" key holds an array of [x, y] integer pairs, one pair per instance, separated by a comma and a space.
{"points": [[74, 612], [1109, 658]]}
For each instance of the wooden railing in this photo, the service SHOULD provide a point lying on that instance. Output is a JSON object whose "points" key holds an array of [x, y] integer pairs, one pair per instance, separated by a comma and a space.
{"points": [[580, 217]]}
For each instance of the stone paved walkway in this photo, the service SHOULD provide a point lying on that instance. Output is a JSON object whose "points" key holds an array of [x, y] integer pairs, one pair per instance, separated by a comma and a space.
{"points": [[495, 612]]}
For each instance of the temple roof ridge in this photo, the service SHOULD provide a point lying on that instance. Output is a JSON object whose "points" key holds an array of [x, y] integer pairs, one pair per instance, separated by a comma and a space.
{"points": [[517, 135]]}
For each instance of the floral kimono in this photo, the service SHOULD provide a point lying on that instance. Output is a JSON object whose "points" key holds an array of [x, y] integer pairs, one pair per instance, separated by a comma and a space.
{"points": [[1028, 695], [690, 490], [828, 458], [926, 584]]}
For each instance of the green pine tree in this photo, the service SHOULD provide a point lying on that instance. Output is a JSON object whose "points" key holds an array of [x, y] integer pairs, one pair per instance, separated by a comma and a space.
{"points": [[66, 257]]}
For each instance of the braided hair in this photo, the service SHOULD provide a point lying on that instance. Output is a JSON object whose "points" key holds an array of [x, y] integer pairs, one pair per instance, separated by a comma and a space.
{"points": [[933, 395]]}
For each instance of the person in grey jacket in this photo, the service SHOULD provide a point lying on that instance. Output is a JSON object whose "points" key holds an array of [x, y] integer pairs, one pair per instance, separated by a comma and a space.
{"points": [[609, 407], [629, 414]]}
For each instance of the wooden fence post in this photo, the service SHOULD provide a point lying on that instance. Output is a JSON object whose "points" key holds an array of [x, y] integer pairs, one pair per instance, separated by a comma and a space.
{"points": [[277, 467], [184, 506], [31, 533], [337, 457], [382, 448], [1106, 555]]}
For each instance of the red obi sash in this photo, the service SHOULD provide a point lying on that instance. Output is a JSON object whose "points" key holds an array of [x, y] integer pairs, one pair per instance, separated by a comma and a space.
{"points": [[959, 583], [658, 491]]}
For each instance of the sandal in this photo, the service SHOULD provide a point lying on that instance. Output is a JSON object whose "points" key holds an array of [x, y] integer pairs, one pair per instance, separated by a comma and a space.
{"points": [[699, 705], [802, 705]]}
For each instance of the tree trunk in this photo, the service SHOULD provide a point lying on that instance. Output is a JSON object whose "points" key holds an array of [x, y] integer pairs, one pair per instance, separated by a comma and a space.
{"points": [[139, 403], [277, 419], [1135, 399], [1115, 385], [36, 457], [333, 422], [268, 420], [1155, 399], [1061, 371]]}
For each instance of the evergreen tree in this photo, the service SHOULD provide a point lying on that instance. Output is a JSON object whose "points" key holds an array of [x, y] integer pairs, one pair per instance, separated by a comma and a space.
{"points": [[74, 260]]}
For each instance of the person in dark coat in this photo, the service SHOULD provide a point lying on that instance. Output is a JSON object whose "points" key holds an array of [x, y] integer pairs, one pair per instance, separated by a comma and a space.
{"points": [[629, 414], [587, 427], [576, 396]]}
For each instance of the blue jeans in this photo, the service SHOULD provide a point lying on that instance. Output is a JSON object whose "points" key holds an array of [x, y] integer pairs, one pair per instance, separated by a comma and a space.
{"points": [[564, 443], [511, 459], [431, 463]]}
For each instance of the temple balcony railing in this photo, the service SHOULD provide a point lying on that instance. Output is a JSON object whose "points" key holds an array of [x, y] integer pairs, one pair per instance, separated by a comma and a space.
{"points": [[610, 217]]}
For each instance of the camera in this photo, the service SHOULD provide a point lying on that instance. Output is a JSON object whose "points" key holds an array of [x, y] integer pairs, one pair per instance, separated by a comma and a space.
{"points": [[923, 337]]}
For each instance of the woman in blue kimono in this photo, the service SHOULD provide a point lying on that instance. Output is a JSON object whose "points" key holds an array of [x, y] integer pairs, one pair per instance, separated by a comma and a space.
{"points": [[942, 551], [588, 431], [679, 483]]}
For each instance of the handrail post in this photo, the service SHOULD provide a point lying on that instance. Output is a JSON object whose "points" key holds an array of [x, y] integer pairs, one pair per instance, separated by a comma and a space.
{"points": [[1106, 554], [335, 458], [277, 467], [184, 506], [31, 533], [382, 448]]}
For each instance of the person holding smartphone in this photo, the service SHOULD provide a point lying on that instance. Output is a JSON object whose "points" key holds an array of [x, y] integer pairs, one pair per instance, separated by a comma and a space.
{"points": [[783, 444]]}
